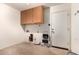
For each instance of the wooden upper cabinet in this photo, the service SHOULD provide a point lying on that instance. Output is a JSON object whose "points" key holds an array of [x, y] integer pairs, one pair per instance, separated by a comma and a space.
{"points": [[32, 16], [26, 16], [38, 14]]}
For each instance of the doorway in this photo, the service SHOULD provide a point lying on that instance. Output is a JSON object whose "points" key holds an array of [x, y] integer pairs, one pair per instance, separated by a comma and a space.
{"points": [[60, 29]]}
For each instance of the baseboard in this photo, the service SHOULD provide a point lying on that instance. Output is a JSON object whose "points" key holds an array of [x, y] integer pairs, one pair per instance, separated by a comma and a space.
{"points": [[60, 47]]}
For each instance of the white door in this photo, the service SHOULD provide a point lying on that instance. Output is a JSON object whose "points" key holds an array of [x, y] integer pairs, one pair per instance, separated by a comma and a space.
{"points": [[59, 29]]}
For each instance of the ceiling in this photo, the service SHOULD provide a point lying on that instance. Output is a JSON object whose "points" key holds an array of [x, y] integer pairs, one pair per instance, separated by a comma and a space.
{"points": [[23, 6]]}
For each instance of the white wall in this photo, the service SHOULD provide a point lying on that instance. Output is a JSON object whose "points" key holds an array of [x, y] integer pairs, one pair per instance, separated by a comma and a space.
{"points": [[10, 30], [75, 28]]}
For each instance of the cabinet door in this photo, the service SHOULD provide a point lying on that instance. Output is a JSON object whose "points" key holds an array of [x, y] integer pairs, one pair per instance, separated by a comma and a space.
{"points": [[38, 14], [26, 16]]}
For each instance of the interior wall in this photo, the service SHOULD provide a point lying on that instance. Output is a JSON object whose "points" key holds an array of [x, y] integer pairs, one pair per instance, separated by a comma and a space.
{"points": [[10, 30], [41, 28], [75, 27]]}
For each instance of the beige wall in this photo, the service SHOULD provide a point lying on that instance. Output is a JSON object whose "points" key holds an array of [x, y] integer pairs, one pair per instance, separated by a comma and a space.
{"points": [[10, 29], [75, 28]]}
